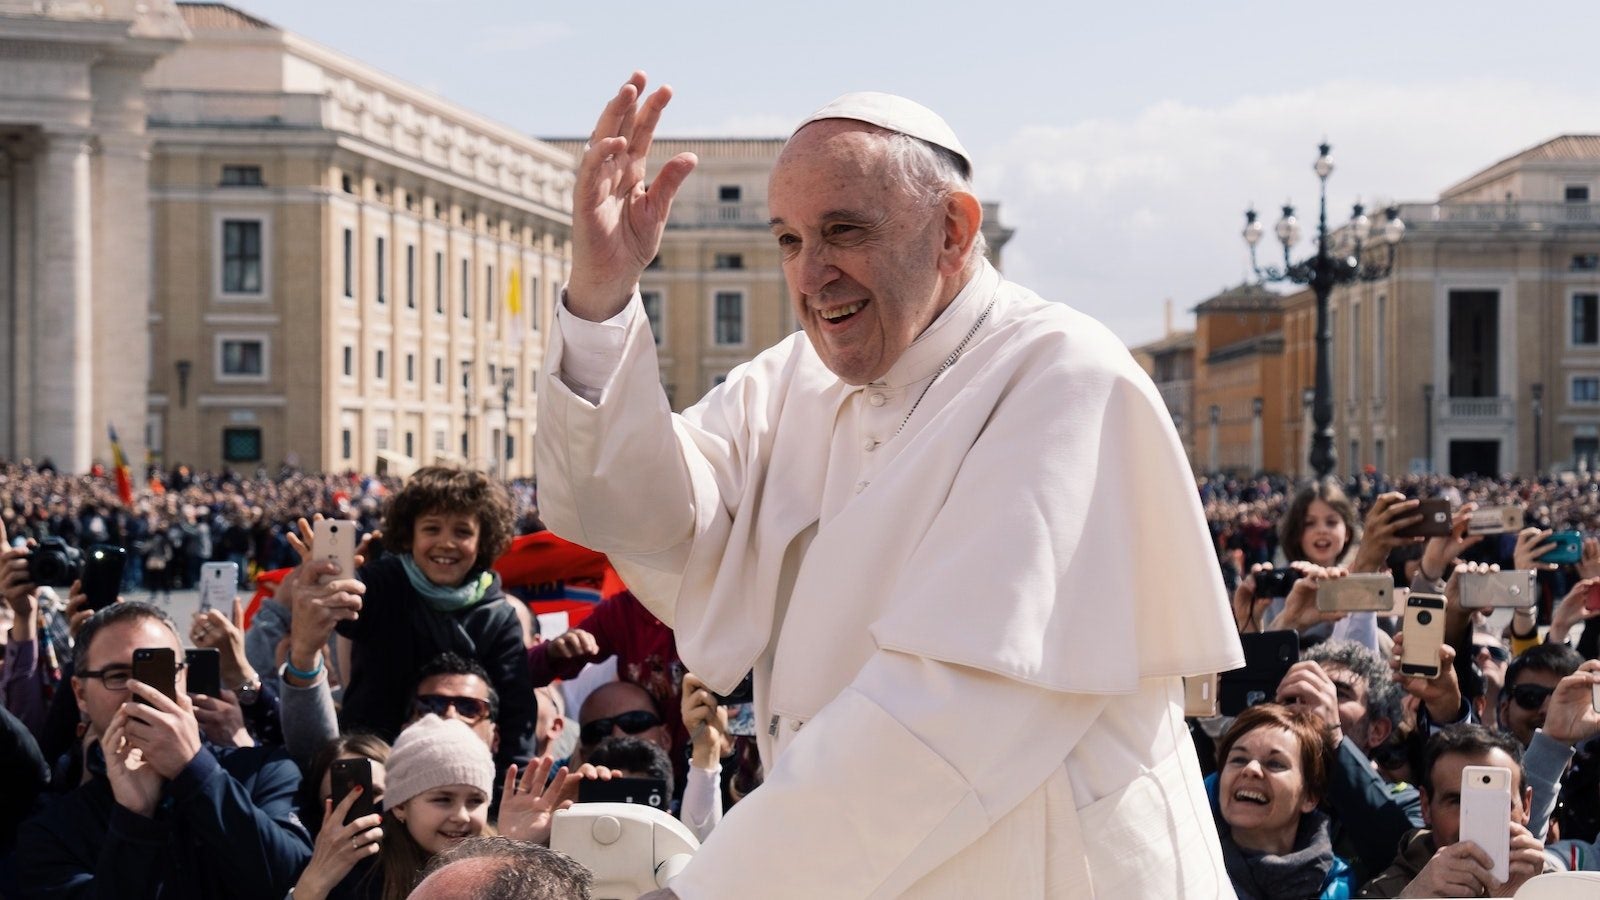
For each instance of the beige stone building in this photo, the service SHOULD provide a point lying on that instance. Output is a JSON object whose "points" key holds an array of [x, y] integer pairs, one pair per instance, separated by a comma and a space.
{"points": [[350, 273], [1481, 351]]}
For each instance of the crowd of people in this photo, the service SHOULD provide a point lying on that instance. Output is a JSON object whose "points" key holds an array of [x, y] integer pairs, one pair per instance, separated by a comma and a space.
{"points": [[470, 723]]}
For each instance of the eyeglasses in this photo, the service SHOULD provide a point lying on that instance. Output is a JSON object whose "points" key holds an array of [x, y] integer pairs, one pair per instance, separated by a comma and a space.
{"points": [[1497, 652], [116, 678], [634, 722], [470, 709], [1531, 696]]}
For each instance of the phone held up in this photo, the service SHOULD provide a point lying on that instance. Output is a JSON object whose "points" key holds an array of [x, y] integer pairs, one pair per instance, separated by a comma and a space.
{"points": [[643, 791], [344, 776], [1372, 592], [1424, 633], [102, 574], [218, 583], [203, 667], [1435, 520], [1568, 550], [1200, 696], [1267, 658], [1513, 588], [157, 667], [1486, 814], [336, 543]]}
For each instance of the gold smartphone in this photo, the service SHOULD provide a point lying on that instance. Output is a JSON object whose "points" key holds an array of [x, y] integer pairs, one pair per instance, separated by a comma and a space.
{"points": [[1372, 592], [1424, 631], [1200, 695]]}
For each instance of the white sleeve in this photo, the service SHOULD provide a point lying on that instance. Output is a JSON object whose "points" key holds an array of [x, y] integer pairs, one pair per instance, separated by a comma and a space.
{"points": [[702, 800], [952, 750], [593, 349]]}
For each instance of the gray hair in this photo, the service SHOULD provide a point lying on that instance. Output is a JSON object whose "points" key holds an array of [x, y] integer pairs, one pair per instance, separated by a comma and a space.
{"points": [[929, 174], [1384, 695], [527, 871]]}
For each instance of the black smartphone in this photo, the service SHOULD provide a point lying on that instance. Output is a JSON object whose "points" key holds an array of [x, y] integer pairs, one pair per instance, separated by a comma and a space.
{"points": [[204, 668], [157, 667], [102, 574], [1267, 658], [744, 692], [344, 776], [1276, 582], [643, 791], [1435, 522]]}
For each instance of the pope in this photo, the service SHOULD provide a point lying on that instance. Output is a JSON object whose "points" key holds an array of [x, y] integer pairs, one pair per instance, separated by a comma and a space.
{"points": [[948, 525]]}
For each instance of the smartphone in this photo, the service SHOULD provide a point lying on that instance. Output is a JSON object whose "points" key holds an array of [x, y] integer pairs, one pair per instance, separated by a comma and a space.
{"points": [[203, 668], [1435, 520], [1267, 658], [102, 574], [157, 667], [743, 692], [1357, 593], [1424, 631], [1568, 550], [344, 776], [1200, 695], [219, 583], [1486, 814], [1495, 520], [335, 541], [1513, 589], [1276, 582], [643, 791]]}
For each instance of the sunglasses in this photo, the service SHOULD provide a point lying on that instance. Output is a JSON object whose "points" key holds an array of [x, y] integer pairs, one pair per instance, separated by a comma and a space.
{"points": [[1531, 696], [1497, 652], [633, 722], [469, 709]]}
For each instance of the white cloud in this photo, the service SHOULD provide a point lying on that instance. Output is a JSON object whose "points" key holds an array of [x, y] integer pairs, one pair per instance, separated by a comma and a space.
{"points": [[1114, 215], [522, 36]]}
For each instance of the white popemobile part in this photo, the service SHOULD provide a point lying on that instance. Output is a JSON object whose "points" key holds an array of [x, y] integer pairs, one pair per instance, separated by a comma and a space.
{"points": [[632, 849]]}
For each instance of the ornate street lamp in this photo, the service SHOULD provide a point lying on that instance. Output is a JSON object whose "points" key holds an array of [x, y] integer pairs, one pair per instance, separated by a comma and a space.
{"points": [[1322, 272]]}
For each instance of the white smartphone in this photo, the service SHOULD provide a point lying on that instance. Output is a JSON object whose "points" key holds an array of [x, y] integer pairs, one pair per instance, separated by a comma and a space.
{"points": [[1424, 631], [219, 584], [1486, 814], [336, 542], [1515, 588], [1356, 593], [1200, 695], [1495, 520]]}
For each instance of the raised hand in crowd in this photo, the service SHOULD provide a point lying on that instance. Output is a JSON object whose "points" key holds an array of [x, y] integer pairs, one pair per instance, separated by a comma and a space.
{"points": [[78, 611], [1248, 609], [1439, 554], [1589, 564], [222, 719], [1308, 686], [528, 805], [163, 730], [319, 598], [338, 847], [1440, 696], [213, 630], [1533, 543], [574, 643], [1492, 664], [1571, 717], [707, 722], [1300, 608], [21, 594], [1390, 513], [135, 783], [1577, 606]]}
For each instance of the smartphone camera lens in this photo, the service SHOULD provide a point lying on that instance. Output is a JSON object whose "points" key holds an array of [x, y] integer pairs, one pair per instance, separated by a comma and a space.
{"points": [[1424, 618], [1486, 779]]}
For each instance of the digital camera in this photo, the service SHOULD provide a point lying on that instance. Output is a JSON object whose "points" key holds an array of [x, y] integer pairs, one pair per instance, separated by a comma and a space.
{"points": [[54, 564]]}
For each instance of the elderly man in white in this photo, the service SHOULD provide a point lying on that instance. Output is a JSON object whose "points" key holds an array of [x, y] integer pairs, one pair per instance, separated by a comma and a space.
{"points": [[950, 528]]}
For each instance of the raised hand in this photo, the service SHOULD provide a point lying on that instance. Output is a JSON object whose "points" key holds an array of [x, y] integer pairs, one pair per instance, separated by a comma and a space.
{"points": [[1307, 685], [1571, 716], [1300, 608], [222, 719], [706, 721], [1441, 552], [1390, 513], [528, 806], [1533, 543], [1572, 609], [165, 732], [617, 216], [338, 848], [225, 634], [1442, 695], [135, 784], [1248, 608], [574, 644]]}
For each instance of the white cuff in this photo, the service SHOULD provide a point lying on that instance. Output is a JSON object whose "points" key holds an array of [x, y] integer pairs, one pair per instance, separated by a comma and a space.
{"points": [[592, 350]]}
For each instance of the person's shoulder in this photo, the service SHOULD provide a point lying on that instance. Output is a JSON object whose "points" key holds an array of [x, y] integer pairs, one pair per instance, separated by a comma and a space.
{"points": [[245, 762], [1030, 316]]}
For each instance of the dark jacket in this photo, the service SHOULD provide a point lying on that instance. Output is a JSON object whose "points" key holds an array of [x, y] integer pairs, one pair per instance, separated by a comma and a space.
{"points": [[398, 633], [1371, 814], [226, 827], [1415, 851]]}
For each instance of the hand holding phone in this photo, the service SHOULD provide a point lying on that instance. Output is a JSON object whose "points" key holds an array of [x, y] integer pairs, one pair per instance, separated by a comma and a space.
{"points": [[102, 575], [346, 774], [335, 542], [219, 583], [1424, 631], [1486, 814], [1436, 520], [158, 668], [1372, 592]]}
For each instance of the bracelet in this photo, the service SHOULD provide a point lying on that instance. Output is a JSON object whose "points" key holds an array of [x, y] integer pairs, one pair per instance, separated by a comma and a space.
{"points": [[288, 667]]}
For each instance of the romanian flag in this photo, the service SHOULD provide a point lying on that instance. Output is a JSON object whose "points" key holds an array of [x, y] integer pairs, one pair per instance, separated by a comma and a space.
{"points": [[514, 293], [119, 463]]}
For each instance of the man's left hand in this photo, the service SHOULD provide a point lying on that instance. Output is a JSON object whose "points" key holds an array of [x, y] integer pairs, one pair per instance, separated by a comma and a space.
{"points": [[222, 719], [164, 732]]}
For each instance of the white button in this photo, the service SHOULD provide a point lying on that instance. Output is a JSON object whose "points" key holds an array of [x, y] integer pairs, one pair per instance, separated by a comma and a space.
{"points": [[877, 399], [870, 445], [861, 486]]}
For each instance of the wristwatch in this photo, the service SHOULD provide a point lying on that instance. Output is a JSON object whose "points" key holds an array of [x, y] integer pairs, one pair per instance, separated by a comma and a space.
{"points": [[248, 692]]}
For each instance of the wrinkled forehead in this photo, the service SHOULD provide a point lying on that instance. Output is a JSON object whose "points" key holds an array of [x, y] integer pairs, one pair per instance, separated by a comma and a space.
{"points": [[842, 147]]}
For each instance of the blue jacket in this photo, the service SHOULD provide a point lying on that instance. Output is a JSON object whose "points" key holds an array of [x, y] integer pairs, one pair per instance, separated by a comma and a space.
{"points": [[226, 827]]}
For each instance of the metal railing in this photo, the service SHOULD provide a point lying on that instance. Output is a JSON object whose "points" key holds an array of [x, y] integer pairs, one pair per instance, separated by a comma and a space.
{"points": [[743, 214], [1513, 213], [235, 109]]}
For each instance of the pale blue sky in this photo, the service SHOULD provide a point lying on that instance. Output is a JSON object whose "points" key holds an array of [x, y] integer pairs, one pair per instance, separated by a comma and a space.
{"points": [[1123, 141]]}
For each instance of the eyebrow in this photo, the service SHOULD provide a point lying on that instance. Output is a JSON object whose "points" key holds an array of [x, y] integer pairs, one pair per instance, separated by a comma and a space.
{"points": [[832, 215]]}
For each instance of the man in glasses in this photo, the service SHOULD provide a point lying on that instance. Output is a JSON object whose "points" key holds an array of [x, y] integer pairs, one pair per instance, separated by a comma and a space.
{"points": [[1530, 680], [453, 687], [160, 812], [620, 708]]}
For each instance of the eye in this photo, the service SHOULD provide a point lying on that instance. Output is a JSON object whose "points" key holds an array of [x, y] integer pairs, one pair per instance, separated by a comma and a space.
{"points": [[842, 230], [788, 240]]}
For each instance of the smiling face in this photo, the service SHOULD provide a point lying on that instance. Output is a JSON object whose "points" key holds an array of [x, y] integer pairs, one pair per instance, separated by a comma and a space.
{"points": [[1325, 534], [443, 817], [869, 266], [445, 546], [1261, 789], [112, 651]]}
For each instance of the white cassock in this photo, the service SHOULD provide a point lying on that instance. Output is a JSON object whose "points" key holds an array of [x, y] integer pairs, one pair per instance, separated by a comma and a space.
{"points": [[967, 632]]}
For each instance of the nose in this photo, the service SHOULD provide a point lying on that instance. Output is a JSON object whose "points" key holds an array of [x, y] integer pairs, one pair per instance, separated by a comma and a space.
{"points": [[1253, 767], [459, 813], [813, 272]]}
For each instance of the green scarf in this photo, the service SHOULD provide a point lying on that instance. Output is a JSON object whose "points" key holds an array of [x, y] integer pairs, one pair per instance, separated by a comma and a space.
{"points": [[446, 599]]}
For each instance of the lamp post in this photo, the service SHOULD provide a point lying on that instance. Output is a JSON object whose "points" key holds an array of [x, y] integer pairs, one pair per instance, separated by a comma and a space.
{"points": [[466, 410], [1323, 272]]}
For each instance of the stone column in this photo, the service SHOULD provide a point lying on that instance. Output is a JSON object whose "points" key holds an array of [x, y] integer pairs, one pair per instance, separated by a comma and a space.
{"points": [[62, 332], [8, 310], [20, 391], [121, 296]]}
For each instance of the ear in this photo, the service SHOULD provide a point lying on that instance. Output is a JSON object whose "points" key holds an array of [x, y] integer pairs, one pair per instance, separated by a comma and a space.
{"points": [[494, 739], [78, 686], [963, 219], [399, 813], [1308, 804], [1527, 805], [1427, 806], [1377, 733]]}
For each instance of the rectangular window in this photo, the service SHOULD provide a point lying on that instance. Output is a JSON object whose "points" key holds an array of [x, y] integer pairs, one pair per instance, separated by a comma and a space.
{"points": [[652, 312], [383, 279], [380, 438], [511, 447], [729, 193], [730, 317], [438, 370], [241, 256], [438, 440], [411, 441], [1586, 389], [1355, 351], [243, 357], [533, 300], [1585, 262], [377, 368], [344, 443], [411, 276], [1380, 347], [411, 368], [728, 261], [1586, 320], [438, 282], [241, 444], [1577, 193], [349, 263], [242, 176], [1585, 452], [488, 293], [349, 361], [466, 290]]}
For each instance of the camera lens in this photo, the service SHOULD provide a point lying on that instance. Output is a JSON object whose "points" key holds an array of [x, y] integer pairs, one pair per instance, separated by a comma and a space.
{"points": [[1486, 779], [1424, 618]]}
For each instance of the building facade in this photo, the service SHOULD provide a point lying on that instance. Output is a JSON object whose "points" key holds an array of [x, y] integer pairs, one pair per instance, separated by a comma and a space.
{"points": [[1239, 354], [350, 273], [1169, 362], [74, 222]]}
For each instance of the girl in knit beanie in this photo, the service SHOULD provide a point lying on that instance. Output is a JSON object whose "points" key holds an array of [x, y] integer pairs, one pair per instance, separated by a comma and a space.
{"points": [[440, 779]]}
